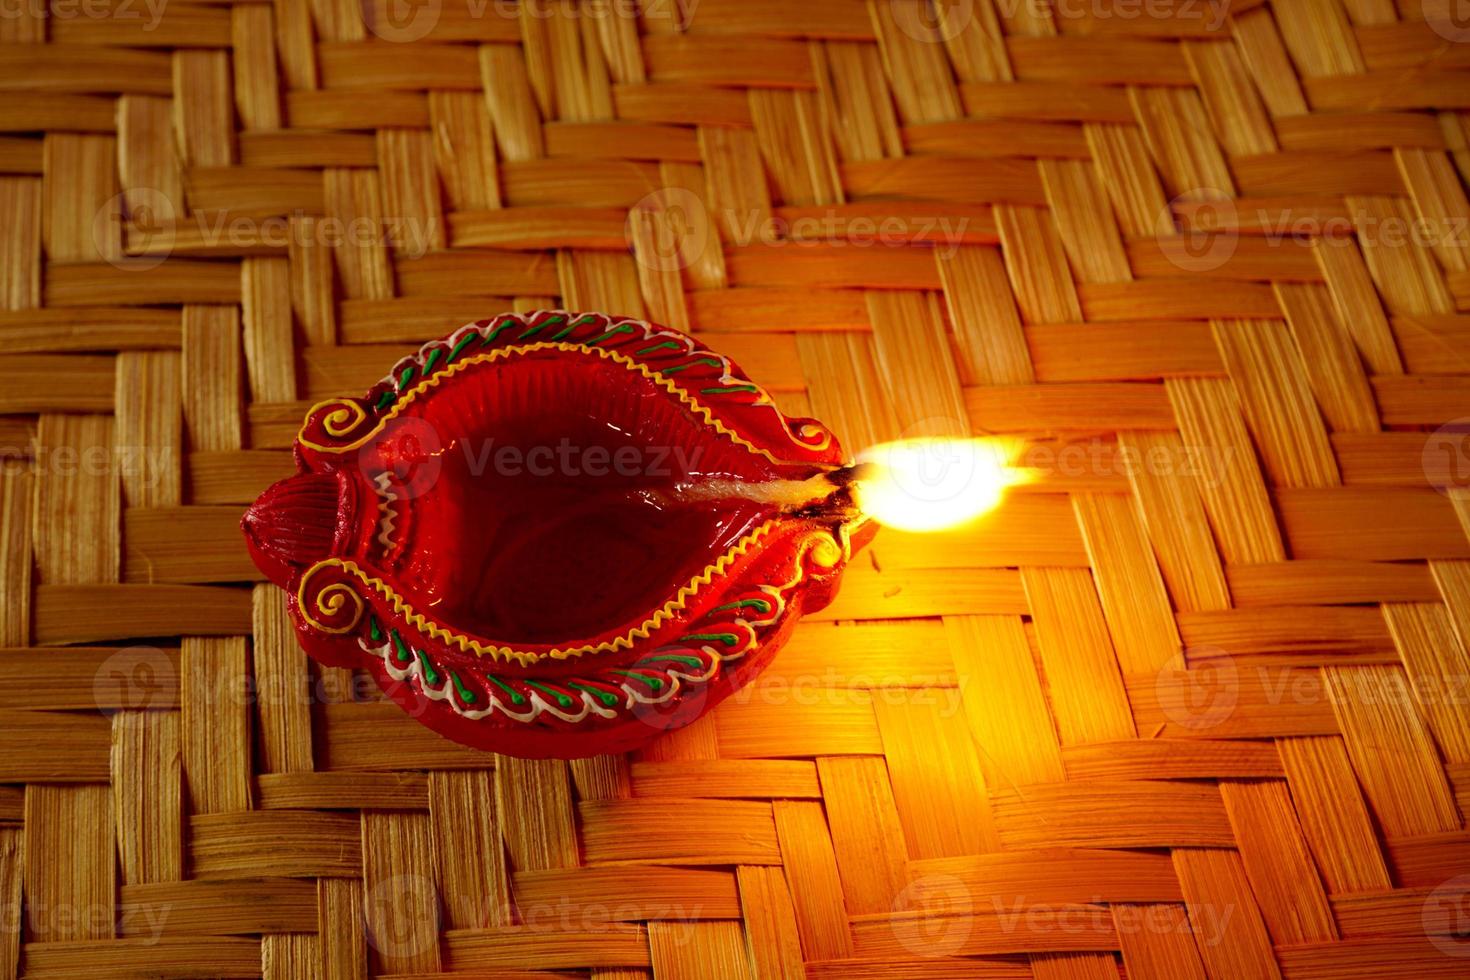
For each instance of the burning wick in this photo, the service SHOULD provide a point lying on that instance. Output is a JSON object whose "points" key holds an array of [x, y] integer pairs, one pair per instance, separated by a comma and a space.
{"points": [[911, 485]]}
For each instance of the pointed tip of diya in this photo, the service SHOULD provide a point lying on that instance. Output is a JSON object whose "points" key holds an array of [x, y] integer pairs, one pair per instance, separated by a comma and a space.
{"points": [[293, 523]]}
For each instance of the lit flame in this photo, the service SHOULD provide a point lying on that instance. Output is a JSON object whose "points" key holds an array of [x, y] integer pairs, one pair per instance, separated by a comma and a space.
{"points": [[932, 484]]}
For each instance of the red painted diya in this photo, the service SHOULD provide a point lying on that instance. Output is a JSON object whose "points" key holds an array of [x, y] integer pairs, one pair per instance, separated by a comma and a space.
{"points": [[520, 533]]}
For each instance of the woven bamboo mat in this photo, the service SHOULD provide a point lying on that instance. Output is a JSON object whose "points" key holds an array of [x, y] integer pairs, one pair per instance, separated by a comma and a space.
{"points": [[1194, 703]]}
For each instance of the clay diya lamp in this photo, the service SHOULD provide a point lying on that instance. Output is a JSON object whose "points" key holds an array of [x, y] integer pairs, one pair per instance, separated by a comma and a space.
{"points": [[557, 534]]}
